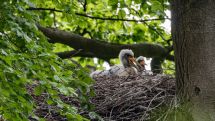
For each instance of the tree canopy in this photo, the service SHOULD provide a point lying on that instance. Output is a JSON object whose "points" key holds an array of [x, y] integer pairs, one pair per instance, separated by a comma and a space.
{"points": [[119, 22], [29, 57]]}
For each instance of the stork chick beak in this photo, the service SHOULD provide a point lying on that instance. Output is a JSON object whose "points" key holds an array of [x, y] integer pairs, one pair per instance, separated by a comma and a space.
{"points": [[132, 60]]}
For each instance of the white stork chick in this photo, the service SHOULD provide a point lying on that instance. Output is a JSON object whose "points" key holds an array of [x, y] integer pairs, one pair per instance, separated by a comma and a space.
{"points": [[127, 67], [128, 64], [141, 63]]}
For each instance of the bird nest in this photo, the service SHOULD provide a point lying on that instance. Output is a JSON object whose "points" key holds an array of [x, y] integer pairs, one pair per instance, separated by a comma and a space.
{"points": [[132, 98]]}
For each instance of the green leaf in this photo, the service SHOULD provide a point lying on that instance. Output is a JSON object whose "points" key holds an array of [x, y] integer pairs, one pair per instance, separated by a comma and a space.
{"points": [[27, 38], [49, 101], [3, 52], [138, 1], [156, 6], [122, 13], [113, 3], [57, 78], [38, 90]]}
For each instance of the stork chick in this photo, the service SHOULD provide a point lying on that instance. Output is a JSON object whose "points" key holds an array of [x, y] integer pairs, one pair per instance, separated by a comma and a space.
{"points": [[128, 66], [141, 62]]}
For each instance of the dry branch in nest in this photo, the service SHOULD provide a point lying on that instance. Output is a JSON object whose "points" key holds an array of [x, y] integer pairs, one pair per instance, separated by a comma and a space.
{"points": [[131, 98]]}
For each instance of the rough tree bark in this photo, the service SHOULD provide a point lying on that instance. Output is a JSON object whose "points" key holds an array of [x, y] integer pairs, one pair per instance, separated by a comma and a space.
{"points": [[193, 33]]}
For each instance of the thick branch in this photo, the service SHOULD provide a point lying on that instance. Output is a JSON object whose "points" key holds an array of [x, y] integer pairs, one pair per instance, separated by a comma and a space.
{"points": [[100, 18], [170, 57], [99, 48]]}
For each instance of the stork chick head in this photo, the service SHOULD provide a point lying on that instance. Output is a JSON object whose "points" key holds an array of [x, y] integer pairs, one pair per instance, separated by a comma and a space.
{"points": [[141, 60], [126, 57]]}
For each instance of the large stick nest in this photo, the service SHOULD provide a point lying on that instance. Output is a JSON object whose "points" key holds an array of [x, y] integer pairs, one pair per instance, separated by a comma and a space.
{"points": [[130, 98], [133, 97]]}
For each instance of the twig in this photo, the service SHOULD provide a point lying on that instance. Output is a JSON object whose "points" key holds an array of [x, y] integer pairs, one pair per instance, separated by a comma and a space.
{"points": [[99, 18]]}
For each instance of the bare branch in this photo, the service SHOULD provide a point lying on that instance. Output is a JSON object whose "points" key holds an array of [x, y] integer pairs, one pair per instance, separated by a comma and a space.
{"points": [[156, 31], [118, 19], [50, 9], [99, 18], [85, 5]]}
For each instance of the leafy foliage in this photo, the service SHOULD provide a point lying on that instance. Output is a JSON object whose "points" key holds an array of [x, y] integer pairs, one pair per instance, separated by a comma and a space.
{"points": [[26, 57], [168, 67]]}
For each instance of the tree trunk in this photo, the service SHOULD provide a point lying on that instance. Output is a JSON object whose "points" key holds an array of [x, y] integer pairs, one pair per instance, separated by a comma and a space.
{"points": [[193, 32]]}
